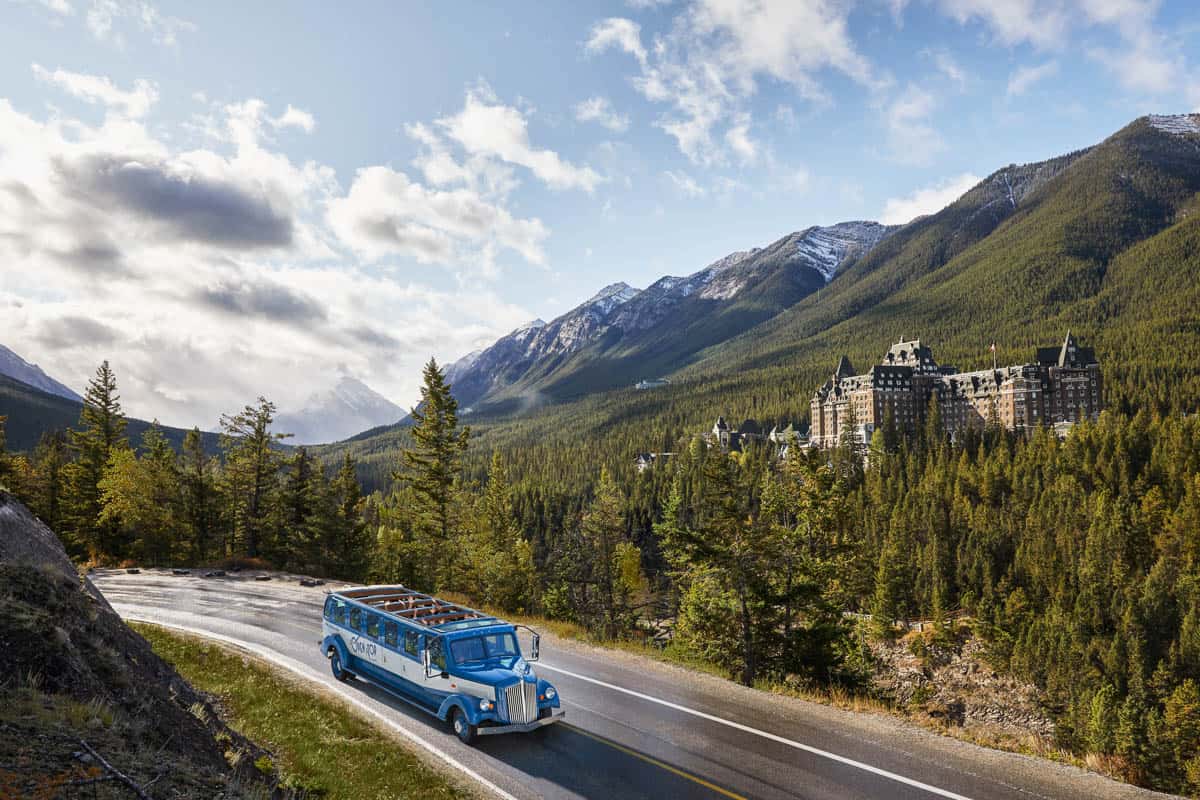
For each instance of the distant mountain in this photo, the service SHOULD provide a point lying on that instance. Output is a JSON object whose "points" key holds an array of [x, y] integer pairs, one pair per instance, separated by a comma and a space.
{"points": [[347, 408], [19, 369], [623, 334]]}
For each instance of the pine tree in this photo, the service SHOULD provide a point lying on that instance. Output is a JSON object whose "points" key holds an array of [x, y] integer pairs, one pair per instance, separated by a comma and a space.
{"points": [[604, 534], [47, 490], [101, 432], [433, 465], [502, 557], [201, 502], [141, 498], [350, 550], [252, 459]]}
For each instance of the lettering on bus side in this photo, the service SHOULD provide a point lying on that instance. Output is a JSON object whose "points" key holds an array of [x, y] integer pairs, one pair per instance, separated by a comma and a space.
{"points": [[363, 647]]}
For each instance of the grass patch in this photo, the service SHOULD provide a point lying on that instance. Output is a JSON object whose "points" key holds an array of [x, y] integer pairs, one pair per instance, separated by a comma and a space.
{"points": [[319, 745]]}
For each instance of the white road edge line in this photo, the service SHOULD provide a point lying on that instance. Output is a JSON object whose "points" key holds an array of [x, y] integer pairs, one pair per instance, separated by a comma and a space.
{"points": [[766, 735], [301, 670]]}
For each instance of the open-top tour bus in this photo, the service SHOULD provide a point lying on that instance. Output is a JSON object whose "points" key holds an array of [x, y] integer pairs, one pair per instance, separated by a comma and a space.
{"points": [[452, 661]]}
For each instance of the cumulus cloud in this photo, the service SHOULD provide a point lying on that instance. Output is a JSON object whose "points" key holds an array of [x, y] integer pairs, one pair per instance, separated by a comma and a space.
{"points": [[927, 200], [1036, 22], [599, 109], [179, 201], [386, 213], [100, 90], [487, 127], [912, 139], [617, 32], [1025, 77], [295, 118], [211, 275], [71, 332], [267, 299], [711, 60]]}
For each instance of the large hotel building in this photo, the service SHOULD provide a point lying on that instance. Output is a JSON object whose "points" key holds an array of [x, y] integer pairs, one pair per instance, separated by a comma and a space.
{"points": [[1063, 385]]}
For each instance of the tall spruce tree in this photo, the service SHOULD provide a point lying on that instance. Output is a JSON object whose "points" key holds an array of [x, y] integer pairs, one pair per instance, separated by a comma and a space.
{"points": [[252, 460], [201, 502], [101, 431], [433, 465], [349, 550]]}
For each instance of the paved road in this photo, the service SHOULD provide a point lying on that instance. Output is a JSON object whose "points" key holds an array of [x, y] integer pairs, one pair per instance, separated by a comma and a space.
{"points": [[634, 728]]}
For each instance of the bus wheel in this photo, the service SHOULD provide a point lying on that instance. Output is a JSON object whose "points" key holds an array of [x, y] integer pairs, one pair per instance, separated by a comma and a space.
{"points": [[339, 670], [463, 729]]}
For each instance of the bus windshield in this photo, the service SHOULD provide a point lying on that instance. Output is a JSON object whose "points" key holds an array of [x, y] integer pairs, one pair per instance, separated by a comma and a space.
{"points": [[479, 649]]}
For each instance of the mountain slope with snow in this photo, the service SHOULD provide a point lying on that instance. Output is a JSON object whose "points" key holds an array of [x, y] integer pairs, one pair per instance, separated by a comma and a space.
{"points": [[622, 334], [21, 370], [346, 408]]}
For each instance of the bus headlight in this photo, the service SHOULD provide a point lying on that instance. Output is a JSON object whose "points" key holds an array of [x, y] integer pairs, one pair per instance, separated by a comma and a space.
{"points": [[550, 693], [485, 704]]}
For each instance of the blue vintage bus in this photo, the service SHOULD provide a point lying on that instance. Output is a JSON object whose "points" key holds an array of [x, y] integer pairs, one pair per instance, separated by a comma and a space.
{"points": [[452, 661]]}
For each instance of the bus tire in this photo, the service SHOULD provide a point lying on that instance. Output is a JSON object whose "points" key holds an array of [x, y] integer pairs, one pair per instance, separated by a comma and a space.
{"points": [[463, 729], [337, 667]]}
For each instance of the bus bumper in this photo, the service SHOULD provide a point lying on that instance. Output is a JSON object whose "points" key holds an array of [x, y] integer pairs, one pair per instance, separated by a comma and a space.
{"points": [[555, 715]]}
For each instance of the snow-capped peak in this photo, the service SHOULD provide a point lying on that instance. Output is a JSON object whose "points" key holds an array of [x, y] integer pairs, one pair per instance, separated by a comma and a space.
{"points": [[532, 325], [611, 296], [826, 248]]}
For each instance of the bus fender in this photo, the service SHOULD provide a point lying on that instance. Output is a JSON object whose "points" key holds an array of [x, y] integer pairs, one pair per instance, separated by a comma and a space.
{"points": [[334, 642], [470, 709]]}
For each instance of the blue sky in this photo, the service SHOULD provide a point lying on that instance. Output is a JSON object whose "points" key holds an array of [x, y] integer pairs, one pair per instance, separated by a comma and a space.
{"points": [[229, 200]]}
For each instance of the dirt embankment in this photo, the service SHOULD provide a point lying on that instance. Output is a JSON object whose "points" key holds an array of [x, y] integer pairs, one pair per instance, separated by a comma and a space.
{"points": [[83, 698], [947, 678]]}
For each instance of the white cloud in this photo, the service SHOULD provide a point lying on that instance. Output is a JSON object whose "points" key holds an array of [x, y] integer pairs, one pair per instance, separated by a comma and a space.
{"points": [[623, 34], [488, 128], [123, 245], [739, 140], [295, 118], [106, 17], [1042, 24], [99, 89], [710, 61], [946, 65], [929, 200], [386, 213], [647, 5], [912, 139], [1025, 77], [685, 183], [599, 109]]}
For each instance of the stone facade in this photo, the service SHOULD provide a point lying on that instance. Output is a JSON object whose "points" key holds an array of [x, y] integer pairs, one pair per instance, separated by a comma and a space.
{"points": [[1063, 385]]}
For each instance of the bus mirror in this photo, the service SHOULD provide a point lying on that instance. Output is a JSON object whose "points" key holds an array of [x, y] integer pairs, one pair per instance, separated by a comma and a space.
{"points": [[535, 648]]}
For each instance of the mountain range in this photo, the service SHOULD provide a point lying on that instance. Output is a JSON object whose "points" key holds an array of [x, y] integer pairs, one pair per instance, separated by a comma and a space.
{"points": [[622, 334], [1104, 241]]}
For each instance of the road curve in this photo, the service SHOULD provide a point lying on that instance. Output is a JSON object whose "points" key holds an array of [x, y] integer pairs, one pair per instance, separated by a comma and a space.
{"points": [[634, 728]]}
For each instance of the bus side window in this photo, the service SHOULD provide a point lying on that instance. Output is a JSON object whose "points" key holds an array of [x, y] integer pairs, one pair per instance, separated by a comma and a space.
{"points": [[373, 626], [410, 643], [436, 656], [356, 618], [389, 634], [339, 611]]}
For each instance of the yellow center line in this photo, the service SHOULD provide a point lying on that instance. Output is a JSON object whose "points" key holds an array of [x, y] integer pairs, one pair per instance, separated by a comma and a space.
{"points": [[651, 760]]}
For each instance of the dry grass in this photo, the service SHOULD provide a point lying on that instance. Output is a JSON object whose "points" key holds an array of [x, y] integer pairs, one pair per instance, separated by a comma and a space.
{"points": [[321, 747]]}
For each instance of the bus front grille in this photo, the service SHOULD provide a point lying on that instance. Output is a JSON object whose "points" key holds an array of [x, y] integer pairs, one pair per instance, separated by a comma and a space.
{"points": [[520, 702]]}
